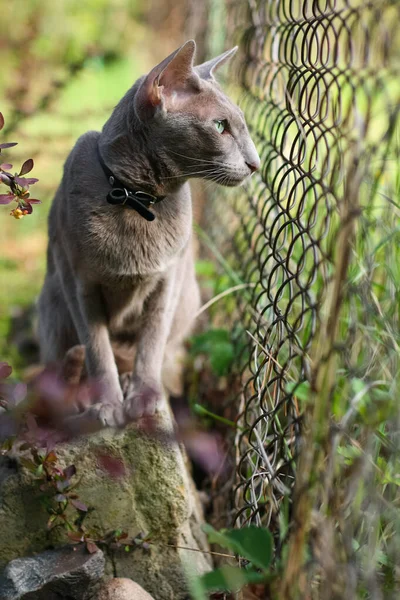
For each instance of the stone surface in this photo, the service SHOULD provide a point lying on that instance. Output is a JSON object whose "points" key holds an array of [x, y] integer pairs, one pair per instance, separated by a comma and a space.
{"points": [[52, 575], [122, 588], [134, 482]]}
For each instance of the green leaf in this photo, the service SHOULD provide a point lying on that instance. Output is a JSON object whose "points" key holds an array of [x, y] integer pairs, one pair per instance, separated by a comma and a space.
{"points": [[253, 543], [203, 412], [301, 391], [205, 268], [27, 464], [216, 344], [229, 578], [204, 342], [221, 358], [357, 385]]}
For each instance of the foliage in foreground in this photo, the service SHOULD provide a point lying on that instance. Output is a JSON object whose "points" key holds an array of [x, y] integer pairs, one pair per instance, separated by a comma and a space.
{"points": [[18, 184]]}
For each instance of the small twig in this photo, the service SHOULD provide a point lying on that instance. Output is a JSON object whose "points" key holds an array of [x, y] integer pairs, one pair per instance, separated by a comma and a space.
{"points": [[222, 295], [193, 549], [268, 354]]}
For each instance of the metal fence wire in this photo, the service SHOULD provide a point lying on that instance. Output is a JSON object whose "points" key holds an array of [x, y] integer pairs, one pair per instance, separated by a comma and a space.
{"points": [[319, 86]]}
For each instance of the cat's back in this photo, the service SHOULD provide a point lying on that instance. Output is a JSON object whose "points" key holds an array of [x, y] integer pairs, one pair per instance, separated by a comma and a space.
{"points": [[79, 175]]}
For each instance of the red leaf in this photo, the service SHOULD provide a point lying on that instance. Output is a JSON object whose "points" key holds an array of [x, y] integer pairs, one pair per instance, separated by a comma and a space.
{"points": [[51, 457], [6, 166], [75, 536], [8, 144], [5, 368], [91, 547], [26, 167], [113, 466], [1, 121], [79, 505], [6, 198], [28, 208]]}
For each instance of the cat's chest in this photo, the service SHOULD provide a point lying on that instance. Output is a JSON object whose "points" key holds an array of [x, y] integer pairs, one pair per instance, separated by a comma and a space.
{"points": [[124, 247], [125, 302]]}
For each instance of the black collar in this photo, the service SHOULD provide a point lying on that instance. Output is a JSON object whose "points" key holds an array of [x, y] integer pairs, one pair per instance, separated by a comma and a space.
{"points": [[121, 194]]}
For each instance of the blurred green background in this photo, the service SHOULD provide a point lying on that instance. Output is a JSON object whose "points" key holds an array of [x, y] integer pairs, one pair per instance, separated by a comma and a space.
{"points": [[64, 66]]}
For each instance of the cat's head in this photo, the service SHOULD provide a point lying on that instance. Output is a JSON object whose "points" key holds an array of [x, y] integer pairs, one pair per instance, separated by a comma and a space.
{"points": [[186, 114]]}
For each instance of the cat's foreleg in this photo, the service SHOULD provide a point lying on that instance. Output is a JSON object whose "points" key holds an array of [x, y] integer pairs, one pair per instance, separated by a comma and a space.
{"points": [[85, 304], [144, 393]]}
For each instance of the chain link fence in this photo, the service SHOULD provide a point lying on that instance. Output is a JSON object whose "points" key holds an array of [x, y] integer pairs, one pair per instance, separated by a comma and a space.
{"points": [[311, 243]]}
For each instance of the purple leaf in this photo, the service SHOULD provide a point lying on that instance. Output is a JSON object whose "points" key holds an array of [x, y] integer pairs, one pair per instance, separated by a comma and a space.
{"points": [[69, 471], [28, 208], [6, 198], [31, 422], [5, 368], [60, 498], [26, 167], [34, 201], [31, 180], [62, 485], [8, 144], [1, 121], [21, 181], [5, 166], [19, 393], [6, 178], [79, 505]]}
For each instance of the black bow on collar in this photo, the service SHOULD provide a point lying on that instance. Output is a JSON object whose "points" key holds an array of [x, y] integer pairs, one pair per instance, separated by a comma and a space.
{"points": [[120, 194]]}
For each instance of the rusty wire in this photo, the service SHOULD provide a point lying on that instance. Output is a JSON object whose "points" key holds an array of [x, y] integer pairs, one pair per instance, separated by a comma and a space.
{"points": [[318, 88]]}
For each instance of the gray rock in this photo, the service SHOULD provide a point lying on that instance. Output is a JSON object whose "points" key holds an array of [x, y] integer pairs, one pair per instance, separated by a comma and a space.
{"points": [[133, 481], [62, 574], [122, 588]]}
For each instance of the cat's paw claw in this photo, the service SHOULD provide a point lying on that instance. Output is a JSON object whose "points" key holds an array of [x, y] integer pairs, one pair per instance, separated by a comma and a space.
{"points": [[142, 399], [109, 415], [94, 418]]}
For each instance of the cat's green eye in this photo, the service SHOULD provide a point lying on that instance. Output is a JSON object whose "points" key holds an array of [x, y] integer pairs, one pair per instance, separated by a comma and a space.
{"points": [[220, 125]]}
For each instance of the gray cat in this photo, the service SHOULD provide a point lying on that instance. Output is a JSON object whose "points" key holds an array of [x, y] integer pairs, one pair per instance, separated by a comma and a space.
{"points": [[120, 269]]}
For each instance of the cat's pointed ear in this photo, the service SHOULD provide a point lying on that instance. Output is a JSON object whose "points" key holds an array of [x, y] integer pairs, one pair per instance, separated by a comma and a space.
{"points": [[173, 75], [207, 69]]}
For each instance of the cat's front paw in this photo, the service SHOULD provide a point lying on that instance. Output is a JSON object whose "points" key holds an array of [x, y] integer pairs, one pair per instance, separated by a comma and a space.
{"points": [[142, 398], [109, 414], [96, 417]]}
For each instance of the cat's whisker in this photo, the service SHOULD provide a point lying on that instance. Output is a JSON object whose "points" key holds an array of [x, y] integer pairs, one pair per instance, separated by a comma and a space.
{"points": [[201, 172], [201, 160]]}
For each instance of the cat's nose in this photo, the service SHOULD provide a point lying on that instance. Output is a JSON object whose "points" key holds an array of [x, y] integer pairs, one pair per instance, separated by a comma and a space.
{"points": [[254, 166]]}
